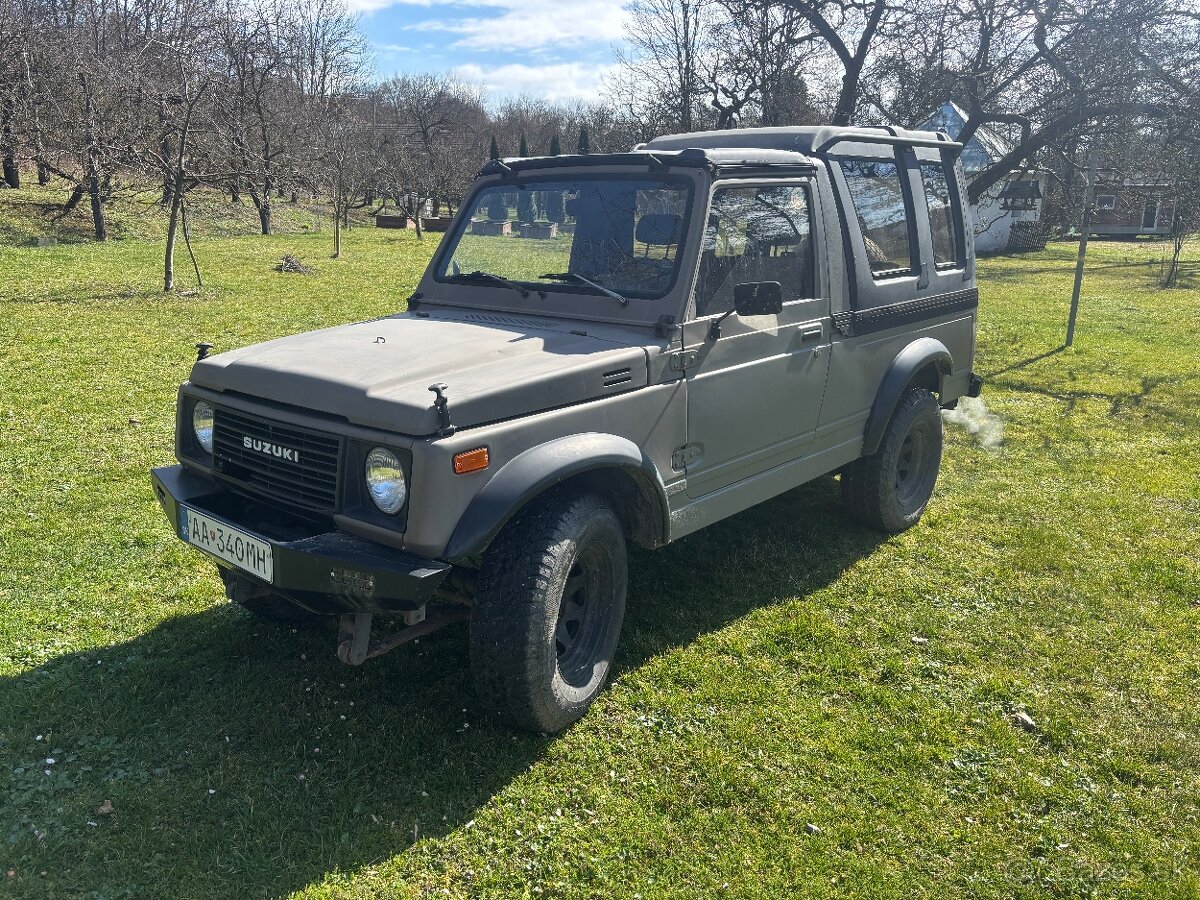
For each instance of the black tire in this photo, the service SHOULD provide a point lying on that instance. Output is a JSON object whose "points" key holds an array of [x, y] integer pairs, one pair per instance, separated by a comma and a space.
{"points": [[548, 611], [262, 603], [890, 489]]}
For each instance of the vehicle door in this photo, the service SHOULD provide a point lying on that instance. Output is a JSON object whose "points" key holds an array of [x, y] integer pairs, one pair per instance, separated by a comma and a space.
{"points": [[755, 383]]}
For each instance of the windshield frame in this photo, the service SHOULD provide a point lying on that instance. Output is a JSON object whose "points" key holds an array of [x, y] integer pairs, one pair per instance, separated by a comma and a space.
{"points": [[444, 254]]}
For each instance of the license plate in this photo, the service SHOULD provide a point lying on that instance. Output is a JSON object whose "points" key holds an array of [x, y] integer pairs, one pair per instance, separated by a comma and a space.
{"points": [[223, 541]]}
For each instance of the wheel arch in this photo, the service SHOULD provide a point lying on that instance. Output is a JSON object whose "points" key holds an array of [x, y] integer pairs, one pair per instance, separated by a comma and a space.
{"points": [[611, 465], [923, 363]]}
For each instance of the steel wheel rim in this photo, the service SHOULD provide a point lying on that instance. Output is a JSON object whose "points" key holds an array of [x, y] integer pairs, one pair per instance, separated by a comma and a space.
{"points": [[912, 467], [584, 612]]}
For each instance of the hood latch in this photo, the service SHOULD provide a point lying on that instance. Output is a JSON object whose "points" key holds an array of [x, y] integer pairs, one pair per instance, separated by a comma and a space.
{"points": [[442, 405]]}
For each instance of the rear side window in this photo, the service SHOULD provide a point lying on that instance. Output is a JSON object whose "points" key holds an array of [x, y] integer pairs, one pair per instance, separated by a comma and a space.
{"points": [[755, 234], [941, 213], [878, 195]]}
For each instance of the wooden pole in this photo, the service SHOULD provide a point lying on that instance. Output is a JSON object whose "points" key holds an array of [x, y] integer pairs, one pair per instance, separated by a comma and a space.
{"points": [[1084, 228]]}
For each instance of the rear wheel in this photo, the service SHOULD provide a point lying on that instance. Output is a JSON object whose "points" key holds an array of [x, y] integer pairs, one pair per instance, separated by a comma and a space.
{"points": [[890, 489], [548, 611]]}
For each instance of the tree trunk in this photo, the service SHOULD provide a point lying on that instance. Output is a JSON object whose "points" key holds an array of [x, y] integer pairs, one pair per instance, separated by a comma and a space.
{"points": [[43, 173], [98, 223], [235, 189], [1172, 275], [337, 233], [172, 228], [164, 147], [264, 205], [93, 162], [12, 174], [848, 96]]}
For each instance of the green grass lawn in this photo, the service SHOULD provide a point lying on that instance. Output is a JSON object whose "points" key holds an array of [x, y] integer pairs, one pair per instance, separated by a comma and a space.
{"points": [[781, 668]]}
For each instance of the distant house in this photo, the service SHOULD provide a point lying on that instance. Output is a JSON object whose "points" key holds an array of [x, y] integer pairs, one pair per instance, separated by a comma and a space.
{"points": [[1009, 215], [1132, 207]]}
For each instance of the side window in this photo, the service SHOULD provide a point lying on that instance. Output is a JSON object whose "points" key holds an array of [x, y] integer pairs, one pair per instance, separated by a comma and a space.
{"points": [[941, 213], [878, 195], [755, 234]]}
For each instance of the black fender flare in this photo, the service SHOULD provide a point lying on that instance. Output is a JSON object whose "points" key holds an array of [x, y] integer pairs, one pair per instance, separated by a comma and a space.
{"points": [[539, 468], [908, 362]]}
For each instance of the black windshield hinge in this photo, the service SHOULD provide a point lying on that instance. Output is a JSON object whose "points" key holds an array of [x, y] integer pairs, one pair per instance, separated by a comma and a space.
{"points": [[445, 429], [665, 326], [685, 456], [682, 360]]}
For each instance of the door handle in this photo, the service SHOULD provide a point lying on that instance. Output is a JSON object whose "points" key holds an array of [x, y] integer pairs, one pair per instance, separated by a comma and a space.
{"points": [[811, 334]]}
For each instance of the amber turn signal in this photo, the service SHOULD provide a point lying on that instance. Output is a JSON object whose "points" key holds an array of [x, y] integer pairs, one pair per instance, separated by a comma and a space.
{"points": [[470, 460]]}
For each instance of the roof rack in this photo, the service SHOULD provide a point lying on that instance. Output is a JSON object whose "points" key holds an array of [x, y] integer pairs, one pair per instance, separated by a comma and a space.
{"points": [[885, 134]]}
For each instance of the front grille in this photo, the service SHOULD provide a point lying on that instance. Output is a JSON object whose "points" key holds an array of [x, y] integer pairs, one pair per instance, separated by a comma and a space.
{"points": [[282, 462]]}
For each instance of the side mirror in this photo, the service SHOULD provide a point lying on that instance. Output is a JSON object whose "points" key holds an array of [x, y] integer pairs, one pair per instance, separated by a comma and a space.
{"points": [[751, 298], [758, 298]]}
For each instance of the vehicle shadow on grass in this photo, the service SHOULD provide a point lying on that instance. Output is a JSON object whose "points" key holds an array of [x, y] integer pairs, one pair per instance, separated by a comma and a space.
{"points": [[242, 759]]}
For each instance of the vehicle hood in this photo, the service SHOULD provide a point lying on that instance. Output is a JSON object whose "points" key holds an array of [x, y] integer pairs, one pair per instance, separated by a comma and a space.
{"points": [[377, 374]]}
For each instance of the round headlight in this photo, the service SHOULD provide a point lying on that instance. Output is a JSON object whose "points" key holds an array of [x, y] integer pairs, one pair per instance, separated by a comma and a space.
{"points": [[385, 480], [202, 424]]}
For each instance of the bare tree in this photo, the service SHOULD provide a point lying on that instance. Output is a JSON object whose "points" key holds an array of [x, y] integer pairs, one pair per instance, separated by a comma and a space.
{"points": [[13, 32], [432, 137], [849, 28], [1042, 70], [1180, 175], [660, 74], [346, 163], [261, 102]]}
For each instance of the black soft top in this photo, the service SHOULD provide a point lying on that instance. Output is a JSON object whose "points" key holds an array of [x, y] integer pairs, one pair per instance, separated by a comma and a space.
{"points": [[713, 160], [773, 149], [806, 140]]}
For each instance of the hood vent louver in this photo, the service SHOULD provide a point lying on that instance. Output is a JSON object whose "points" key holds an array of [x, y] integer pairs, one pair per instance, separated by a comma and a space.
{"points": [[508, 320], [617, 377]]}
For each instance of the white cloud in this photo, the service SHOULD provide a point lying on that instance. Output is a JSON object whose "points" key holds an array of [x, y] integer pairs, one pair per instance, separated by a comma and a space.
{"points": [[370, 6], [554, 81], [526, 24]]}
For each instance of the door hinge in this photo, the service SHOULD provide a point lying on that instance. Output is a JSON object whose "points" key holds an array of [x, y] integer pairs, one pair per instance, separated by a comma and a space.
{"points": [[686, 454], [682, 360]]}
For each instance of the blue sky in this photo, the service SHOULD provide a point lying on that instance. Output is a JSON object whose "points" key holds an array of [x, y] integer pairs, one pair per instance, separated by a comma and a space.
{"points": [[556, 49]]}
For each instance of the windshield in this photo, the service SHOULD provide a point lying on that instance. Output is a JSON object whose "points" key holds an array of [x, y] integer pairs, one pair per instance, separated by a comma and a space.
{"points": [[620, 233]]}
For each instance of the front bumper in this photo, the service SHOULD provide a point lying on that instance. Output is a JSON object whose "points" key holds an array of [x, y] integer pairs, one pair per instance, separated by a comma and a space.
{"points": [[326, 571]]}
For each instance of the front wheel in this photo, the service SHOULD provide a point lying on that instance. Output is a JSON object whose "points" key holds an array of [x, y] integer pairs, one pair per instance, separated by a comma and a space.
{"points": [[548, 611], [890, 489]]}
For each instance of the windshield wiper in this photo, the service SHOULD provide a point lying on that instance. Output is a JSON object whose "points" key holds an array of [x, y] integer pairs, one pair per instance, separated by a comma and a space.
{"points": [[574, 276], [480, 275]]}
